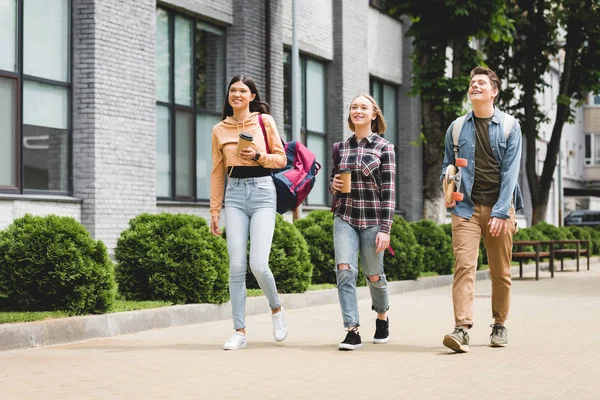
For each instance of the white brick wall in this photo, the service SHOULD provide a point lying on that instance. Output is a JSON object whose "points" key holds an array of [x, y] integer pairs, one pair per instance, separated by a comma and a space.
{"points": [[114, 113], [314, 26], [219, 11], [385, 47], [13, 208]]}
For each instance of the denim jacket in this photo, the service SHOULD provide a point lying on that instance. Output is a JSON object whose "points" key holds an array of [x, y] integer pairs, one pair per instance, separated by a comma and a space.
{"points": [[508, 154]]}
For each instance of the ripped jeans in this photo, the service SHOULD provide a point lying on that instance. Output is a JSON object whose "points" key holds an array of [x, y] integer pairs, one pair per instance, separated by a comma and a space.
{"points": [[347, 241]]}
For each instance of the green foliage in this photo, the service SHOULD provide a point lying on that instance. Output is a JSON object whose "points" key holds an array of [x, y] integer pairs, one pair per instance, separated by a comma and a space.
{"points": [[172, 257], [407, 262], [552, 232], [595, 235], [289, 259], [317, 230], [582, 233], [437, 246], [53, 264]]}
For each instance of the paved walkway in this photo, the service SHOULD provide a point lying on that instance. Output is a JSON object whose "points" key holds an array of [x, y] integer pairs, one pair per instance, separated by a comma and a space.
{"points": [[554, 353]]}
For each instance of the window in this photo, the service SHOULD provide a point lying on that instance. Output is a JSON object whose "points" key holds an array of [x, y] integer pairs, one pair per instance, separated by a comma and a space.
{"points": [[597, 100], [592, 149], [386, 96], [35, 70], [313, 124], [190, 90]]}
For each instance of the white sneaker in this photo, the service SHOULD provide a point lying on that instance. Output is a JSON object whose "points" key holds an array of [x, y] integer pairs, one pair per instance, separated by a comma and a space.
{"points": [[280, 330], [237, 341]]}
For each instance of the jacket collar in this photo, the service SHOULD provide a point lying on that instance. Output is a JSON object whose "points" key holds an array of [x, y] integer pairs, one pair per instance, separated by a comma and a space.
{"points": [[496, 118]]}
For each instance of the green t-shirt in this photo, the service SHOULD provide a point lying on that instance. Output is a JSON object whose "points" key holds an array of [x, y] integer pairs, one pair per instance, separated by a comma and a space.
{"points": [[486, 185]]}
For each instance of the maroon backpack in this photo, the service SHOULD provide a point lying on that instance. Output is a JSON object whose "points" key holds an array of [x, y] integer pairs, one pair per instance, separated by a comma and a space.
{"points": [[294, 181]]}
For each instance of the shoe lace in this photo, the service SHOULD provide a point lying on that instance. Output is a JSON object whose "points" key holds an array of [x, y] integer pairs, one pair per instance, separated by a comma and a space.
{"points": [[277, 322], [497, 329], [458, 330]]}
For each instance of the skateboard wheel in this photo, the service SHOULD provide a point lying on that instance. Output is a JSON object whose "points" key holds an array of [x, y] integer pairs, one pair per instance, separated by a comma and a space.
{"points": [[461, 162], [457, 196]]}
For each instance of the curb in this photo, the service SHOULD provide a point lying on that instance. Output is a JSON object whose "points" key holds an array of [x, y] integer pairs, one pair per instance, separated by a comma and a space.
{"points": [[73, 329]]}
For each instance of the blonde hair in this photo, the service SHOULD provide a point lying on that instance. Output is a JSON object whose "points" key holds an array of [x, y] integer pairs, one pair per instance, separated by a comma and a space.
{"points": [[378, 124]]}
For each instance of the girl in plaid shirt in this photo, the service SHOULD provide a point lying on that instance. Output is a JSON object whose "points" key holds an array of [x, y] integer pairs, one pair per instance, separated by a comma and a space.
{"points": [[363, 217]]}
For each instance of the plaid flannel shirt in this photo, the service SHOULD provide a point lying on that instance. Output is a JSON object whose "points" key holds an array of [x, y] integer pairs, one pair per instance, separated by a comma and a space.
{"points": [[372, 201]]}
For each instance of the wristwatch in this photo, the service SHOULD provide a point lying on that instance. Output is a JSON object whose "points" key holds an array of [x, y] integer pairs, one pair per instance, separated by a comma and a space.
{"points": [[256, 156]]}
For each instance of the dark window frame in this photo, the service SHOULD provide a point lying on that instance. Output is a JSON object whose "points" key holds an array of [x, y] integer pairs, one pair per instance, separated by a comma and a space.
{"points": [[194, 109], [21, 77], [304, 132], [373, 80]]}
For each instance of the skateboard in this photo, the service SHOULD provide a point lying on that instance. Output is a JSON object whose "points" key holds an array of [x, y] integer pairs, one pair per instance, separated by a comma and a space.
{"points": [[452, 181]]}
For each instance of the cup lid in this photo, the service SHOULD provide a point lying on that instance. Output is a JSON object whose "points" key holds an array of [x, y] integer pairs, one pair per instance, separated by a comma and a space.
{"points": [[246, 136], [343, 170]]}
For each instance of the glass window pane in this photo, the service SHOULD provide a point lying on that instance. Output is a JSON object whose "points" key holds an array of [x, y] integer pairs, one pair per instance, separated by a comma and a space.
{"points": [[184, 154], [8, 35], [204, 125], [597, 100], [183, 61], [163, 152], [210, 61], [390, 112], [163, 59], [8, 131], [318, 194], [315, 96], [45, 158], [45, 105], [46, 39]]}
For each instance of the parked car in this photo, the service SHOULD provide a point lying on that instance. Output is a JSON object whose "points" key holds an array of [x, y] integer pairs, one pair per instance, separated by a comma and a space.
{"points": [[583, 218]]}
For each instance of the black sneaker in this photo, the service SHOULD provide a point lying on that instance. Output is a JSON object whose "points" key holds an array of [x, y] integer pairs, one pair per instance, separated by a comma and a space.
{"points": [[382, 331], [352, 341]]}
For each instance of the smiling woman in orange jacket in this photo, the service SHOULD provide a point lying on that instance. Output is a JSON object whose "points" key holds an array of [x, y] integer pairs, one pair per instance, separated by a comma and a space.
{"points": [[250, 199]]}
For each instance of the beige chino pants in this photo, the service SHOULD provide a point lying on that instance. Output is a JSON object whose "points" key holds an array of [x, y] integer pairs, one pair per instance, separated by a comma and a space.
{"points": [[466, 235]]}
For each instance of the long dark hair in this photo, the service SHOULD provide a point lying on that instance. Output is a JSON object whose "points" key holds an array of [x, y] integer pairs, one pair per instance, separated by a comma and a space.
{"points": [[255, 105]]}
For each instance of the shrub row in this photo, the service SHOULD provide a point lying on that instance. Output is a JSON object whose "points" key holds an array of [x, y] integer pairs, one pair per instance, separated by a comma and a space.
{"points": [[53, 263]]}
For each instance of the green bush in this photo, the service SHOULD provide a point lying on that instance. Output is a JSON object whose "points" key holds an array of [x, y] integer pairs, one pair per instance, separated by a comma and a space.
{"points": [[317, 230], [407, 261], [52, 263], [289, 260], [172, 257], [595, 238], [437, 246], [552, 232], [581, 233]]}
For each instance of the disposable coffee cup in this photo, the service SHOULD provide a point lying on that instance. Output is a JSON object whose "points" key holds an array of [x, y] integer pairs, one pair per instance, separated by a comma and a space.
{"points": [[346, 177], [244, 141]]}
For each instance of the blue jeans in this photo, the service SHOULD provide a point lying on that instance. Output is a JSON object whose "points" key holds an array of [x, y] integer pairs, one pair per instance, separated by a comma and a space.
{"points": [[347, 241], [250, 205]]}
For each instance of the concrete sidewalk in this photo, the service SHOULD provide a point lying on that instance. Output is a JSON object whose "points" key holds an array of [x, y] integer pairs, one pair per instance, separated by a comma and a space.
{"points": [[554, 353], [68, 330]]}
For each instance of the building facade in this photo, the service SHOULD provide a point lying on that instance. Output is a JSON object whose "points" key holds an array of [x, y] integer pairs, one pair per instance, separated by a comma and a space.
{"points": [[107, 106]]}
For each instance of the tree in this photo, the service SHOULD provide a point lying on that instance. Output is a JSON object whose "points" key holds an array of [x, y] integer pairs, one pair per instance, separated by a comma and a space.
{"points": [[436, 26], [538, 27]]}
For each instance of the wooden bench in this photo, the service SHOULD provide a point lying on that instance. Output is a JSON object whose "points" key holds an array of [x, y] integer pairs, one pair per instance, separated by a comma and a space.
{"points": [[582, 248], [538, 253]]}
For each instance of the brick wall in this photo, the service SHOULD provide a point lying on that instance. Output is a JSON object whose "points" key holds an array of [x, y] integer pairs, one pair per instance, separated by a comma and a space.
{"points": [[114, 134], [314, 25], [410, 152]]}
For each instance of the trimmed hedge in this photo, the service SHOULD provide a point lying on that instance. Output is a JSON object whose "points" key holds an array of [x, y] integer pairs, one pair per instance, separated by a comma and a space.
{"points": [[407, 262], [289, 260], [437, 246], [317, 230], [172, 257], [52, 263]]}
